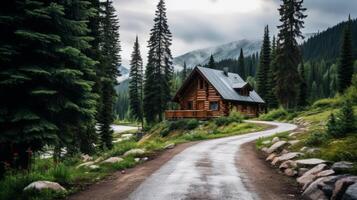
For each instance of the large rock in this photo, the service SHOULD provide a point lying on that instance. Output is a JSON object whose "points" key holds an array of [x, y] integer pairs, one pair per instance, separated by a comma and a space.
{"points": [[313, 192], [325, 173], [41, 185], [290, 172], [342, 166], [288, 164], [113, 160], [302, 171], [276, 146], [86, 164], [134, 152], [311, 175], [271, 157], [309, 162], [351, 193], [289, 156], [341, 186]]}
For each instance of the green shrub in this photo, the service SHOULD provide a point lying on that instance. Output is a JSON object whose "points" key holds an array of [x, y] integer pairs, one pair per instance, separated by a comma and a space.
{"points": [[128, 162], [222, 121], [327, 103], [61, 174], [276, 114], [122, 147], [165, 132], [183, 124], [344, 124], [192, 124], [316, 139]]}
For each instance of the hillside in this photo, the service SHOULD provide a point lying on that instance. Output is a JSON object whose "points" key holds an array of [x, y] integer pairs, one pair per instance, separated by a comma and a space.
{"points": [[222, 52], [326, 45]]}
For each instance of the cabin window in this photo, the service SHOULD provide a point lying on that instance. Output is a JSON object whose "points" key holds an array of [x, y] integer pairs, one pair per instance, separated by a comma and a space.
{"points": [[200, 84], [213, 105], [189, 105]]}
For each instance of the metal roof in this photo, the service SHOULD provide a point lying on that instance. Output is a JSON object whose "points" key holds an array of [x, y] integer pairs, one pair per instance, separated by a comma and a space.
{"points": [[225, 85]]}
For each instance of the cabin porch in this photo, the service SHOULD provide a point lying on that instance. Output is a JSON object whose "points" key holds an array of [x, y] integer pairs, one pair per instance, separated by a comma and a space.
{"points": [[186, 114]]}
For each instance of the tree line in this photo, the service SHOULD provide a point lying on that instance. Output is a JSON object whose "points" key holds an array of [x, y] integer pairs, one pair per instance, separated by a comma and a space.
{"points": [[59, 63]]}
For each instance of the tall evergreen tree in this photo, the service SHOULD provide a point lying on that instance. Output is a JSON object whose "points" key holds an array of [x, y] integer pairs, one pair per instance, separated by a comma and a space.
{"points": [[345, 68], [211, 62], [288, 53], [184, 72], [271, 98], [241, 65], [159, 69], [136, 82], [302, 95], [263, 70], [110, 48]]}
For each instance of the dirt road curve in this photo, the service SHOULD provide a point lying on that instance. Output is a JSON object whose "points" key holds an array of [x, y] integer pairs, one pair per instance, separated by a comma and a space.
{"points": [[207, 170]]}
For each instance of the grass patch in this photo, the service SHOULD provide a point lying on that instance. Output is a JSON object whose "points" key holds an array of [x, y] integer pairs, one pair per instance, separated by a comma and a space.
{"points": [[277, 114]]}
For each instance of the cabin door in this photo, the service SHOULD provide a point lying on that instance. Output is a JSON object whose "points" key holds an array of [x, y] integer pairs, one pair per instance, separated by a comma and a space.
{"points": [[200, 105]]}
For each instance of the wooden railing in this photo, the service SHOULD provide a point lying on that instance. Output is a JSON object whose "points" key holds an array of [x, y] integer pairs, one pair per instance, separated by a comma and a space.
{"points": [[201, 114]]}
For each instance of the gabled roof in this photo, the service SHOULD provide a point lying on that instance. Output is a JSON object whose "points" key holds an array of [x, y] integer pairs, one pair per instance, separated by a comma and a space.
{"points": [[225, 85]]}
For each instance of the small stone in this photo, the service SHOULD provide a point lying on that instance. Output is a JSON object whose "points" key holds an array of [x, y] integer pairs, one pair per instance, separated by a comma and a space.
{"points": [[311, 175], [293, 142], [302, 171], [86, 164], [129, 135], [134, 152], [265, 149], [98, 159], [293, 134], [289, 156], [41, 185], [271, 157], [342, 166], [310, 162], [266, 142], [325, 173], [288, 164], [276, 146], [290, 172], [169, 146], [312, 150], [137, 159], [284, 151], [123, 171], [94, 167], [275, 161], [113, 160], [275, 140], [86, 158], [145, 159], [303, 148]]}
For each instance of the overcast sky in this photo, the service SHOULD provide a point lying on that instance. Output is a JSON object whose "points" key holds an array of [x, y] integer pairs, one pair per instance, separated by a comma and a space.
{"points": [[198, 24]]}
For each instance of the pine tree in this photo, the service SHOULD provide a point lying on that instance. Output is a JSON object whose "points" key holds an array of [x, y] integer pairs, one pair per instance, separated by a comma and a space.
{"points": [[288, 53], [184, 72], [271, 98], [241, 65], [263, 70], [345, 68], [136, 82], [110, 48], [159, 69], [346, 118], [211, 62], [302, 95]]}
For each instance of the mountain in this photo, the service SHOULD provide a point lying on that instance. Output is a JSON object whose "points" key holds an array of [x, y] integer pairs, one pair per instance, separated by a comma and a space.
{"points": [[222, 52], [327, 44]]}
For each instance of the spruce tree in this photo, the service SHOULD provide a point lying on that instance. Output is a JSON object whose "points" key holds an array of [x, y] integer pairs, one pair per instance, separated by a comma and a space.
{"points": [[159, 69], [288, 53], [136, 82], [184, 72], [271, 98], [241, 65], [302, 95], [263, 70], [110, 48], [211, 62], [345, 68]]}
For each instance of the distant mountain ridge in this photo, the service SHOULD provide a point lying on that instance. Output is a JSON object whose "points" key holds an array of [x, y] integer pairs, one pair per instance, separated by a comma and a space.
{"points": [[221, 52]]}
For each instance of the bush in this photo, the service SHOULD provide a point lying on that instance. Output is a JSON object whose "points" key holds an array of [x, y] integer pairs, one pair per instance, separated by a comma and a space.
{"points": [[276, 114], [165, 132], [61, 174], [234, 116], [344, 124], [316, 139], [192, 124], [327, 103], [128, 162]]}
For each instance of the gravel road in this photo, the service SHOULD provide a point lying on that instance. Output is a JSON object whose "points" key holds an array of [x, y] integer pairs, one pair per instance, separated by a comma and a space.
{"points": [[207, 170]]}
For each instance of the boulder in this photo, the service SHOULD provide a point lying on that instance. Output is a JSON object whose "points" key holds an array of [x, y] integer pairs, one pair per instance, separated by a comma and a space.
{"points": [[289, 156], [341, 186], [342, 166], [310, 175], [271, 157], [288, 164], [276, 146], [302, 171], [293, 142], [351, 193], [313, 192], [86, 164], [275, 161], [169, 146], [86, 158], [325, 173], [41, 185], [265, 149], [134, 152], [310, 162], [113, 160], [275, 140], [290, 172]]}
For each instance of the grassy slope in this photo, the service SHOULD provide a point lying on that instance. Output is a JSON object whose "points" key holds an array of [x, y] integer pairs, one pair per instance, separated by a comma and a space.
{"points": [[75, 179], [315, 136]]}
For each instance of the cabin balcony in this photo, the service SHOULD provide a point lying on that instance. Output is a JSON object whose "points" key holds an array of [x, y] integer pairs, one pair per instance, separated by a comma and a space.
{"points": [[198, 114]]}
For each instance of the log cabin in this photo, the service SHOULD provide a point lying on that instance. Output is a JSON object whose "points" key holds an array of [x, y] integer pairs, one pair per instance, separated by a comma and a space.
{"points": [[209, 93]]}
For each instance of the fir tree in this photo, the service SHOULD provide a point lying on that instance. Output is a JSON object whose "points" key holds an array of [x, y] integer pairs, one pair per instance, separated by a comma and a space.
{"points": [[159, 69], [241, 65], [345, 69], [302, 96], [263, 70], [288, 53], [211, 62], [136, 82], [271, 98], [184, 72], [110, 48], [346, 118]]}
